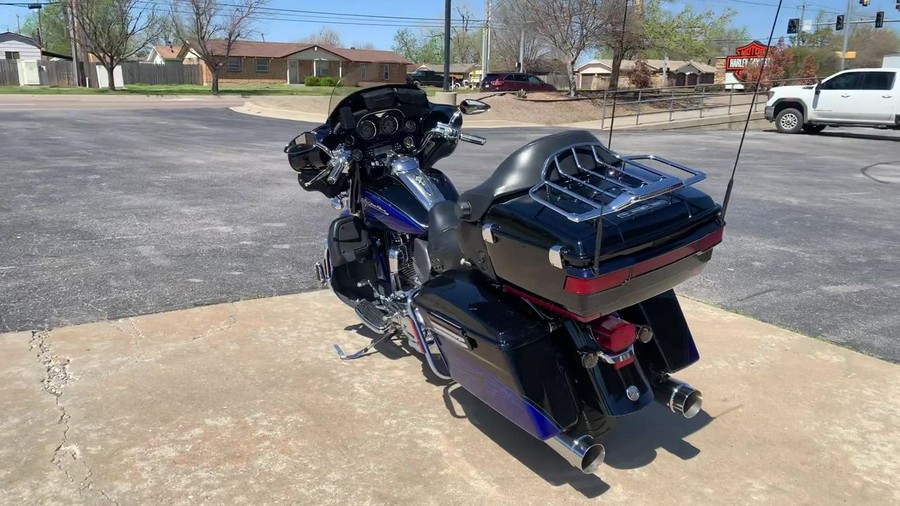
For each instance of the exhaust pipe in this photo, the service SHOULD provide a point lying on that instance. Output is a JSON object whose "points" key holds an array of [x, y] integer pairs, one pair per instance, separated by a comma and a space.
{"points": [[579, 450], [678, 396]]}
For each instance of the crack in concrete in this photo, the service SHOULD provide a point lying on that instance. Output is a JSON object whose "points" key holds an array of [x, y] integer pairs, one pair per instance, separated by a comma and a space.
{"points": [[56, 378], [232, 321]]}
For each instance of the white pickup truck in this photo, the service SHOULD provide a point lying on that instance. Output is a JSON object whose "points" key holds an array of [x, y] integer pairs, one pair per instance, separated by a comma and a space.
{"points": [[857, 97]]}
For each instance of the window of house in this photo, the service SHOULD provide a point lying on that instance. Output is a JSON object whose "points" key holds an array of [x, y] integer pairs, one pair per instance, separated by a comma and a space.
{"points": [[323, 68], [363, 70], [234, 64], [12, 55], [387, 71], [262, 65]]}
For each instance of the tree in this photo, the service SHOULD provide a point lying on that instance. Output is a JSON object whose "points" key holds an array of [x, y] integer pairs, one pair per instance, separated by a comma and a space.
{"points": [[514, 21], [642, 75], [769, 74], [624, 35], [211, 27], [54, 33], [465, 38], [324, 37], [871, 44], [569, 26], [419, 49], [810, 70], [114, 30]]}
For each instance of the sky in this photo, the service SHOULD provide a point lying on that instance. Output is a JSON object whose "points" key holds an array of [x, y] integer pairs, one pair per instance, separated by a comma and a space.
{"points": [[376, 21]]}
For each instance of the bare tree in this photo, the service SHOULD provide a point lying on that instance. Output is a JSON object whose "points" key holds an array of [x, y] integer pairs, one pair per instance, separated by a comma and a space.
{"points": [[115, 30], [465, 39], [516, 36], [624, 34], [570, 26], [324, 37], [211, 27]]}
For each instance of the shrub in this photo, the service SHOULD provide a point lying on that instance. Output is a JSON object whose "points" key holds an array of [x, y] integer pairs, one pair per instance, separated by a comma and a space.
{"points": [[327, 81], [642, 75], [311, 81]]}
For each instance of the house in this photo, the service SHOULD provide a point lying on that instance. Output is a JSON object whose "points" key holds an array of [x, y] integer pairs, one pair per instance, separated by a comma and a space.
{"points": [[18, 47], [288, 62], [462, 72], [595, 74], [161, 55]]}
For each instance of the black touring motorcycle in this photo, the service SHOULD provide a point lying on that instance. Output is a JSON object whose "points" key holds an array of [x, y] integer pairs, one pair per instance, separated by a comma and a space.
{"points": [[545, 291]]}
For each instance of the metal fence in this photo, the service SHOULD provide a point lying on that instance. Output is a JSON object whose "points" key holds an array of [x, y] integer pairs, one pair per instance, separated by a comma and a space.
{"points": [[9, 73]]}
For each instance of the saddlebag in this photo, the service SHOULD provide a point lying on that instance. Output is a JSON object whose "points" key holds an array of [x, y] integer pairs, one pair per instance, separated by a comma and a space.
{"points": [[497, 348]]}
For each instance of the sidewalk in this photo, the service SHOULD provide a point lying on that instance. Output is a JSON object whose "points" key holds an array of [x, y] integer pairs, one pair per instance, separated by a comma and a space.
{"points": [[247, 403]]}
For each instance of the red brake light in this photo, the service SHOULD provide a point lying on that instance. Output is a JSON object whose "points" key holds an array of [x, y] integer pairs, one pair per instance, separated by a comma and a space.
{"points": [[614, 334], [497, 82], [603, 282]]}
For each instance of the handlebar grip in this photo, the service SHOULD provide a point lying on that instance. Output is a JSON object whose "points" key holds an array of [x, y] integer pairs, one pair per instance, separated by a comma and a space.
{"points": [[474, 139], [335, 172]]}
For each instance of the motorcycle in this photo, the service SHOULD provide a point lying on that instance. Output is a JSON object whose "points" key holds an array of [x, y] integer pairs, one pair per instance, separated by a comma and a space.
{"points": [[546, 291]]}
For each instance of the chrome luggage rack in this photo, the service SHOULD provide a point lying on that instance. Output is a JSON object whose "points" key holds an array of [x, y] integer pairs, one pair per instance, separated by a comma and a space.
{"points": [[582, 193]]}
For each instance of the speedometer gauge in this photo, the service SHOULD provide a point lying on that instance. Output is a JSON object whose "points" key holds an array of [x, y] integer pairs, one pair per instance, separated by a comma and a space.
{"points": [[366, 129], [389, 124], [410, 126]]}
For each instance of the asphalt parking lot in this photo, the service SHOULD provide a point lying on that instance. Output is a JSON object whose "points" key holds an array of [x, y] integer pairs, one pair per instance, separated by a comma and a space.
{"points": [[112, 213]]}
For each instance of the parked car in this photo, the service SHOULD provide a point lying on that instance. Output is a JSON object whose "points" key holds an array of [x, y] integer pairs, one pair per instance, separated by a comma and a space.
{"points": [[425, 78], [858, 97], [514, 81]]}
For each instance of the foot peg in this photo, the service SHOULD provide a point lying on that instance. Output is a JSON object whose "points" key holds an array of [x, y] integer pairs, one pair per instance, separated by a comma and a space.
{"points": [[372, 317], [320, 274]]}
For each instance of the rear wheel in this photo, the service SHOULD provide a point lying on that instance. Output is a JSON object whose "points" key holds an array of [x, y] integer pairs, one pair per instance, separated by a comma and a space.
{"points": [[593, 423], [789, 121], [813, 129]]}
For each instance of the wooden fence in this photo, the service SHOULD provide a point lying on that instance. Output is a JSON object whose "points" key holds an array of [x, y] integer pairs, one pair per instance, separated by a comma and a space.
{"points": [[170, 73], [9, 73]]}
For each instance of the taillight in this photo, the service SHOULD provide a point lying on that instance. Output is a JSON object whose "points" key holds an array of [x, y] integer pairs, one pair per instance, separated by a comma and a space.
{"points": [[603, 282], [613, 333], [497, 82]]}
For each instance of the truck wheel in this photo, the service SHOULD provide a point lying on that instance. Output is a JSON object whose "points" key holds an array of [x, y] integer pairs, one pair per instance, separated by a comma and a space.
{"points": [[789, 121], [813, 129]]}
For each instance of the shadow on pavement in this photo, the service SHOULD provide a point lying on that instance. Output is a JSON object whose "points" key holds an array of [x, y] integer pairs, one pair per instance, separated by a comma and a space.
{"points": [[856, 135], [634, 443]]}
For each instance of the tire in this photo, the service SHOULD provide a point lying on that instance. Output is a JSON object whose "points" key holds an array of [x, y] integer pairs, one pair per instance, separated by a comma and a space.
{"points": [[813, 129], [593, 422], [789, 121]]}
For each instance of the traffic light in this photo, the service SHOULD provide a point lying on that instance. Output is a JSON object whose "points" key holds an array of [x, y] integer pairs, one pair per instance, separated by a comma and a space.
{"points": [[879, 19], [839, 23], [864, 3], [793, 25]]}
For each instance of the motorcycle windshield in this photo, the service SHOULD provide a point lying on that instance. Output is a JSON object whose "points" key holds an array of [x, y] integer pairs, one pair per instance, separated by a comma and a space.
{"points": [[357, 76]]}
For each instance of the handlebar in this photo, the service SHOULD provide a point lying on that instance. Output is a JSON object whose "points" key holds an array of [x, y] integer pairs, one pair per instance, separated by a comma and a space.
{"points": [[474, 139], [340, 160]]}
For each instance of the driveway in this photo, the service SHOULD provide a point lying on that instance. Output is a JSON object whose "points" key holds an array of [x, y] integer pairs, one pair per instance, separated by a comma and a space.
{"points": [[111, 213]]}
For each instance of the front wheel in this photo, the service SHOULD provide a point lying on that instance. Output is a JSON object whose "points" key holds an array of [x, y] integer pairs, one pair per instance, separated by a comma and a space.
{"points": [[789, 121], [813, 129]]}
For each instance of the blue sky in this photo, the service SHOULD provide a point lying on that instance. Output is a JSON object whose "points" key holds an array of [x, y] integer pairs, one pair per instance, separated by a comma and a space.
{"points": [[286, 25]]}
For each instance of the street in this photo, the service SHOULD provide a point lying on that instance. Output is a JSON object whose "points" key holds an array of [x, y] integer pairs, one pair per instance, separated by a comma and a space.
{"points": [[112, 213]]}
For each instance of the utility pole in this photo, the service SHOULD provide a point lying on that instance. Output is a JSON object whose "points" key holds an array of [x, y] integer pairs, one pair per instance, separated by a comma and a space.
{"points": [[486, 40], [847, 26], [447, 45], [68, 8], [522, 51], [18, 25], [800, 28]]}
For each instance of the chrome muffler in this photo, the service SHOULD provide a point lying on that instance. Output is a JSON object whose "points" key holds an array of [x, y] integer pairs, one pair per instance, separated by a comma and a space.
{"points": [[579, 450], [678, 396]]}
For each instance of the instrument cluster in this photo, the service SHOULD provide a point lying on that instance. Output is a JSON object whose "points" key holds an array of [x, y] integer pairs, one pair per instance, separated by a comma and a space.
{"points": [[386, 128]]}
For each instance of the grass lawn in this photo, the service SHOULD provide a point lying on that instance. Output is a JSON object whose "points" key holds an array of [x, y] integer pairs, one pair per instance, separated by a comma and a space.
{"points": [[188, 89]]}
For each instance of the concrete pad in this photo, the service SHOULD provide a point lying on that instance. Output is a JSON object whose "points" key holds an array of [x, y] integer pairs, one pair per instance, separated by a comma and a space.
{"points": [[246, 403]]}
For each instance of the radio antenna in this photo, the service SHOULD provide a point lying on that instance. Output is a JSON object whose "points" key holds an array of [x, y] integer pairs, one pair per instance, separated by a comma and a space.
{"points": [[621, 48], [762, 69]]}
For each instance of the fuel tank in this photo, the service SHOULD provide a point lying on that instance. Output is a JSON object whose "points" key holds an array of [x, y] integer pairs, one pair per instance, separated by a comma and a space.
{"points": [[389, 202]]}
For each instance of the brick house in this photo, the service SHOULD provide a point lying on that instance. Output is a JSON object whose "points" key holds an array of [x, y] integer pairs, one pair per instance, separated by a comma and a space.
{"points": [[288, 62]]}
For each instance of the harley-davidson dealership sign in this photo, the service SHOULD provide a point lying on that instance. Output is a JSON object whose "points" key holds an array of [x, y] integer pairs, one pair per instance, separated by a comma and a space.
{"points": [[751, 53]]}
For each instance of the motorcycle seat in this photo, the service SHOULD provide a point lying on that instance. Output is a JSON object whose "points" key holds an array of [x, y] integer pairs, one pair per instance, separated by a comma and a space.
{"points": [[517, 173]]}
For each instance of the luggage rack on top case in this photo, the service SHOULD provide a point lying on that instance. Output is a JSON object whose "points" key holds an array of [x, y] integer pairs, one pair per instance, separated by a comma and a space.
{"points": [[586, 187]]}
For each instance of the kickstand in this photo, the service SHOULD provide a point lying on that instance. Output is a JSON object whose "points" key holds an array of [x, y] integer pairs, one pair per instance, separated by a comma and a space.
{"points": [[354, 356]]}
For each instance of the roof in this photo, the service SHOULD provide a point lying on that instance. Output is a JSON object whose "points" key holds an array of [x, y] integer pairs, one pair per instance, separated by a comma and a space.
{"points": [[252, 48], [455, 68], [6, 36], [605, 66], [167, 52]]}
